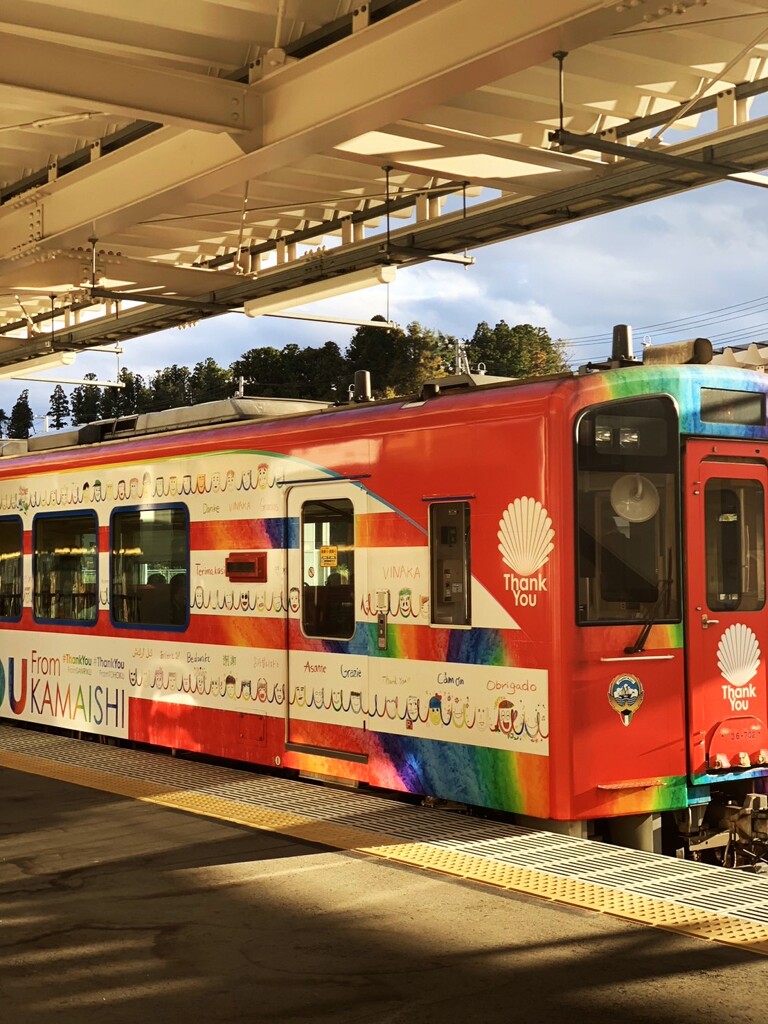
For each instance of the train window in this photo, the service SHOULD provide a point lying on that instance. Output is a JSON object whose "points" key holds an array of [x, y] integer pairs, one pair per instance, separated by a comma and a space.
{"points": [[328, 568], [11, 533], [719, 405], [628, 534], [735, 545], [150, 566], [65, 566], [450, 571]]}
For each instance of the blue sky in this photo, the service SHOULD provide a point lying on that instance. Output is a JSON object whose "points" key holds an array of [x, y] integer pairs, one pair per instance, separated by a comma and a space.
{"points": [[675, 258]]}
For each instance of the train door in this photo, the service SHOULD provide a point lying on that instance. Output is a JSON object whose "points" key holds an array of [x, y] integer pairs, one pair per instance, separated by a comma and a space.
{"points": [[327, 645], [727, 612]]}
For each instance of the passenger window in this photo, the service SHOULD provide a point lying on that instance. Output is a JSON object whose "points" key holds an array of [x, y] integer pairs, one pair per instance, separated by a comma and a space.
{"points": [[449, 544], [149, 566], [328, 568], [11, 534], [65, 563]]}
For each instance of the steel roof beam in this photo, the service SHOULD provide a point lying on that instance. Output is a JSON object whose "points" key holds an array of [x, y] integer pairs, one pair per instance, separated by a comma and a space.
{"points": [[307, 108], [105, 82], [502, 219]]}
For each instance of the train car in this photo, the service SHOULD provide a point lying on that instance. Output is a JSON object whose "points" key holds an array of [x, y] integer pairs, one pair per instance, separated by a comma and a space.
{"points": [[542, 597]]}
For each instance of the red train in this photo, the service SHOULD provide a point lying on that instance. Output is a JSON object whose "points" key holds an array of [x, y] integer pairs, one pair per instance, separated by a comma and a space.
{"points": [[544, 597]]}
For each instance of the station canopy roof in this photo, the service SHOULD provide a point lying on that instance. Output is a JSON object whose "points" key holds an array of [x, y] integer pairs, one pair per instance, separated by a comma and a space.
{"points": [[164, 162]]}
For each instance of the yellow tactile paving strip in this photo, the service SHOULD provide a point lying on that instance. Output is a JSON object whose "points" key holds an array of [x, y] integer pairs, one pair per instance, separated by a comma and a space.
{"points": [[411, 836]]}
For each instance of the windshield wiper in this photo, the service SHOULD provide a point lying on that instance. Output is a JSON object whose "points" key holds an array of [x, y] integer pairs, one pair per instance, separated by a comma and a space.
{"points": [[664, 595]]}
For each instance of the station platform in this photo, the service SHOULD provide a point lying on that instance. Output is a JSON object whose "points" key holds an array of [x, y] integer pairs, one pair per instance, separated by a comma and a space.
{"points": [[137, 883]]}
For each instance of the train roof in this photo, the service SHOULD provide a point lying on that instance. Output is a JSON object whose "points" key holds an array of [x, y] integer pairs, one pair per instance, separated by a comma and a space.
{"points": [[242, 409]]}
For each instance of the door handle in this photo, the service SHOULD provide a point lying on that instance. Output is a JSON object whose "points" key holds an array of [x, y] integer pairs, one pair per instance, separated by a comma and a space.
{"points": [[706, 623]]}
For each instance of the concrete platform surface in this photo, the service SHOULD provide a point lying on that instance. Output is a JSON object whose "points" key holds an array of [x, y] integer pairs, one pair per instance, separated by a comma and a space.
{"points": [[114, 910]]}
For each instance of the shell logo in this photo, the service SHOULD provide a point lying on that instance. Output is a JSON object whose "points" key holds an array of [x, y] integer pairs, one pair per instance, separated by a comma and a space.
{"points": [[526, 540], [738, 654], [738, 658]]}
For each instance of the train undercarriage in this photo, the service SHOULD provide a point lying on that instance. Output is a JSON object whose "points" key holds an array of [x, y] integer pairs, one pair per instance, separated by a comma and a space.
{"points": [[726, 831]]}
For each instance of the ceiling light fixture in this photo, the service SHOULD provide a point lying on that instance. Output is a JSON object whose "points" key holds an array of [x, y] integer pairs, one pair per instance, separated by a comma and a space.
{"points": [[328, 288], [51, 361]]}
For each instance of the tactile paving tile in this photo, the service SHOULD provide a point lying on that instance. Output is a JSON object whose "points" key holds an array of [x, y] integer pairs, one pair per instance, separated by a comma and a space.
{"points": [[682, 896]]}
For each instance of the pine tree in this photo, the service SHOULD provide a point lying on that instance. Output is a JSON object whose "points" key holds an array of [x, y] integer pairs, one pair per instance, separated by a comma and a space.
{"points": [[85, 402], [22, 418], [131, 398], [59, 408]]}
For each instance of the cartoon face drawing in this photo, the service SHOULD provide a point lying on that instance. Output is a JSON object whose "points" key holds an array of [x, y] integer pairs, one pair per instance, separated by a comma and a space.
{"points": [[404, 602], [261, 690], [134, 492], [318, 696], [133, 677], [279, 695], [505, 716], [201, 483], [481, 718], [293, 599], [262, 481], [216, 481], [299, 696], [173, 484], [412, 709], [390, 707], [158, 677], [435, 709], [173, 681], [121, 491], [356, 702], [460, 713], [336, 700], [260, 603], [230, 478]]}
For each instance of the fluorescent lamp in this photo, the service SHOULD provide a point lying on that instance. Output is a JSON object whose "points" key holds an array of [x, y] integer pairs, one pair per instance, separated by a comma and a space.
{"points": [[51, 361], [327, 289]]}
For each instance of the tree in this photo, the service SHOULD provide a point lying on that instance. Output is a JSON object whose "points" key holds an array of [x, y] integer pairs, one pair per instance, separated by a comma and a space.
{"points": [[59, 408], [209, 382], [22, 418], [133, 397], [262, 372], [169, 388], [85, 403], [322, 372], [521, 351], [399, 361], [4, 418]]}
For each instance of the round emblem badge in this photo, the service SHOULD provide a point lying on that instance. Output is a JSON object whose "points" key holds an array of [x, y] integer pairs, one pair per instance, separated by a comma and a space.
{"points": [[625, 695]]}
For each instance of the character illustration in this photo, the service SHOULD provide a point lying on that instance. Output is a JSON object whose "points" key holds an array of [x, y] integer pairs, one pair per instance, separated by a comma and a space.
{"points": [[506, 715], [436, 710]]}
